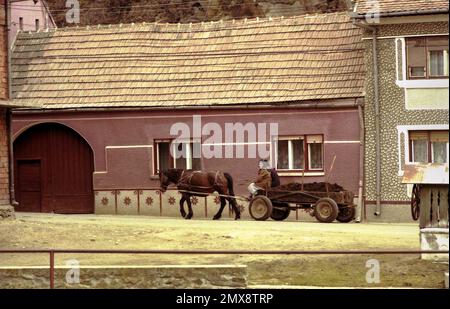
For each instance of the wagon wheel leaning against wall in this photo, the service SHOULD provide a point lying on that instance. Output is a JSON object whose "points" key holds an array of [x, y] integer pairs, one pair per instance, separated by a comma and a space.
{"points": [[415, 202]]}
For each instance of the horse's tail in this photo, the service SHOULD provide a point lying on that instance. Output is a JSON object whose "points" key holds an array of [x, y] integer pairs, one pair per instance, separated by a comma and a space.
{"points": [[232, 201], [230, 183]]}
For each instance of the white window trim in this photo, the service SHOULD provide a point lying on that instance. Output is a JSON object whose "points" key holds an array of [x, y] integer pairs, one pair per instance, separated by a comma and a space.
{"points": [[290, 152], [405, 130], [309, 158], [423, 83], [414, 83], [432, 153], [157, 161], [413, 158]]}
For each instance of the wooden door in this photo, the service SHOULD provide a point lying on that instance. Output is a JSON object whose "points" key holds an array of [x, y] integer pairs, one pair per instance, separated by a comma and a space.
{"points": [[29, 191], [67, 166]]}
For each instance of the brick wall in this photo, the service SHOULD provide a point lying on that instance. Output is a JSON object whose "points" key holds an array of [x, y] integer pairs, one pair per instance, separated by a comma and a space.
{"points": [[3, 52], [4, 178]]}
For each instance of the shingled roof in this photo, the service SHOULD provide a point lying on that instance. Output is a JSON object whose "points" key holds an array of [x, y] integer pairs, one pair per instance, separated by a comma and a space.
{"points": [[271, 61], [400, 7]]}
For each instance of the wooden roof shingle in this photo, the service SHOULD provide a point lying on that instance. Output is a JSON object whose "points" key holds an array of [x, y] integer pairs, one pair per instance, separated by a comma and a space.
{"points": [[400, 7], [311, 57]]}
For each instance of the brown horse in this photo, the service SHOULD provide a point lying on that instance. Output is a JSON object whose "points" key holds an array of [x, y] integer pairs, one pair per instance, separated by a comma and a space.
{"points": [[199, 183]]}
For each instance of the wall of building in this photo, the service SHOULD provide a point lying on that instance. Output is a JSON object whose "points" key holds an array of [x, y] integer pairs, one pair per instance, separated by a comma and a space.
{"points": [[3, 52], [29, 11], [123, 146], [396, 118], [4, 166], [4, 169]]}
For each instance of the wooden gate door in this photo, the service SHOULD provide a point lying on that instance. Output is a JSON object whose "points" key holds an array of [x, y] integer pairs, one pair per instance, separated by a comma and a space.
{"points": [[29, 191], [66, 169]]}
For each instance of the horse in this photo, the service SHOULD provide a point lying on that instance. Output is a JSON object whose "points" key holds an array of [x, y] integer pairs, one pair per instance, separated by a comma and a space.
{"points": [[198, 183]]}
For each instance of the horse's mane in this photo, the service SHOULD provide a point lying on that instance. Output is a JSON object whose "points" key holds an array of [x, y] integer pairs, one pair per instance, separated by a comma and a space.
{"points": [[174, 174]]}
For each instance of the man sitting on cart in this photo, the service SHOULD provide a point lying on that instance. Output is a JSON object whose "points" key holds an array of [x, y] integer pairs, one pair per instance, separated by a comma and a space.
{"points": [[264, 179]]}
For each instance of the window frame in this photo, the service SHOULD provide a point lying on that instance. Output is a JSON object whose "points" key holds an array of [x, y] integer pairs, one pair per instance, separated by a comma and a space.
{"points": [[156, 153], [430, 152], [173, 161], [427, 60], [306, 153]]}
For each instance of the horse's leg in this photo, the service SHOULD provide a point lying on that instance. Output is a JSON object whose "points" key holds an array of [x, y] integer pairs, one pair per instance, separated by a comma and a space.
{"points": [[183, 213], [223, 203], [191, 213], [235, 207]]}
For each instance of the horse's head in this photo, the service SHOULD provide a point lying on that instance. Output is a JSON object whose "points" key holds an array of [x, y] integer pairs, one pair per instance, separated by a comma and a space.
{"points": [[164, 181]]}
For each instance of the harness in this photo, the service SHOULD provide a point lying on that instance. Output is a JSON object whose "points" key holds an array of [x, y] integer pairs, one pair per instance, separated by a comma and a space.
{"points": [[187, 181]]}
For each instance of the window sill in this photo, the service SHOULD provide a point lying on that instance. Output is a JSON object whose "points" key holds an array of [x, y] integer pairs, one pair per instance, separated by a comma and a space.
{"points": [[423, 83], [301, 174]]}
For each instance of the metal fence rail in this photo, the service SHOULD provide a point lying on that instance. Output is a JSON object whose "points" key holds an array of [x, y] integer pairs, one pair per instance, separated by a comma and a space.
{"points": [[53, 252]]}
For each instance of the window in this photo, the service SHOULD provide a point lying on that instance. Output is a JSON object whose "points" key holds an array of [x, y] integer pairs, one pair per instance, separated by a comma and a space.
{"points": [[315, 152], [187, 161], [21, 23], [296, 153], [429, 146], [427, 57], [163, 157]]}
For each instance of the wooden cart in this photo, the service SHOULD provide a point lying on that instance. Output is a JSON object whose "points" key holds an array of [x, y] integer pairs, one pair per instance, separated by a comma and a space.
{"points": [[325, 206]]}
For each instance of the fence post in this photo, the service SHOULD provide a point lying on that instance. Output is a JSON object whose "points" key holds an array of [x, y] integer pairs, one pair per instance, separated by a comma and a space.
{"points": [[52, 269]]}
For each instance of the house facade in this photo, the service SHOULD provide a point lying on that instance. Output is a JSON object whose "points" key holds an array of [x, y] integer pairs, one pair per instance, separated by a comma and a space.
{"points": [[4, 140], [406, 111], [114, 96], [29, 15], [6, 190]]}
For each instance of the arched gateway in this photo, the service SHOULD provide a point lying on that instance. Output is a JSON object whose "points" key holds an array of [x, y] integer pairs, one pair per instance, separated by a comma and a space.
{"points": [[53, 171]]}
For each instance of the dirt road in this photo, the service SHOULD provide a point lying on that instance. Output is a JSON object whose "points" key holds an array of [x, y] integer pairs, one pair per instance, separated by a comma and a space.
{"points": [[114, 232]]}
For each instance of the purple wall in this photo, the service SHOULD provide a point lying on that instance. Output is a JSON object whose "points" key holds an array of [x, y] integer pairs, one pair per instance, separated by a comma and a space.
{"points": [[122, 142]]}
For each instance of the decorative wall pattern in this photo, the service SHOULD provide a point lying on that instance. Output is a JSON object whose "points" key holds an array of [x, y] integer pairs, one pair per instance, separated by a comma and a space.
{"points": [[393, 112], [105, 202], [413, 29], [152, 202], [127, 202]]}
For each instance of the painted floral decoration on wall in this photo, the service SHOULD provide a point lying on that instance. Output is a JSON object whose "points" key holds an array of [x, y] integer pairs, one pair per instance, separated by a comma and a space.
{"points": [[149, 201]]}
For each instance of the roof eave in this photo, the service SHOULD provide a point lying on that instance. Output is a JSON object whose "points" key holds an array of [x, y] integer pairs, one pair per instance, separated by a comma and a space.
{"points": [[399, 14], [15, 104]]}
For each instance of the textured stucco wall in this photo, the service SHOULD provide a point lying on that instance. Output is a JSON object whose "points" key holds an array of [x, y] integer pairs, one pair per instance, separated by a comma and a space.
{"points": [[393, 113]]}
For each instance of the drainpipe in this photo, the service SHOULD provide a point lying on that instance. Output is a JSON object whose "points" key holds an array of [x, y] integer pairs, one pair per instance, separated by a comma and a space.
{"points": [[361, 216], [377, 112], [12, 194], [377, 120]]}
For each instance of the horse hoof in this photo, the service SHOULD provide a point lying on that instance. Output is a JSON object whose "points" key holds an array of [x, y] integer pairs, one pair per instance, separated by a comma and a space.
{"points": [[237, 218], [183, 215], [216, 218], [189, 217]]}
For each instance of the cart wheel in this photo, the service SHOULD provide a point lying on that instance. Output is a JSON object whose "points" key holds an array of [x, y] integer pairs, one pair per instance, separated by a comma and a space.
{"points": [[415, 203], [326, 210], [280, 212], [260, 208], [346, 214]]}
